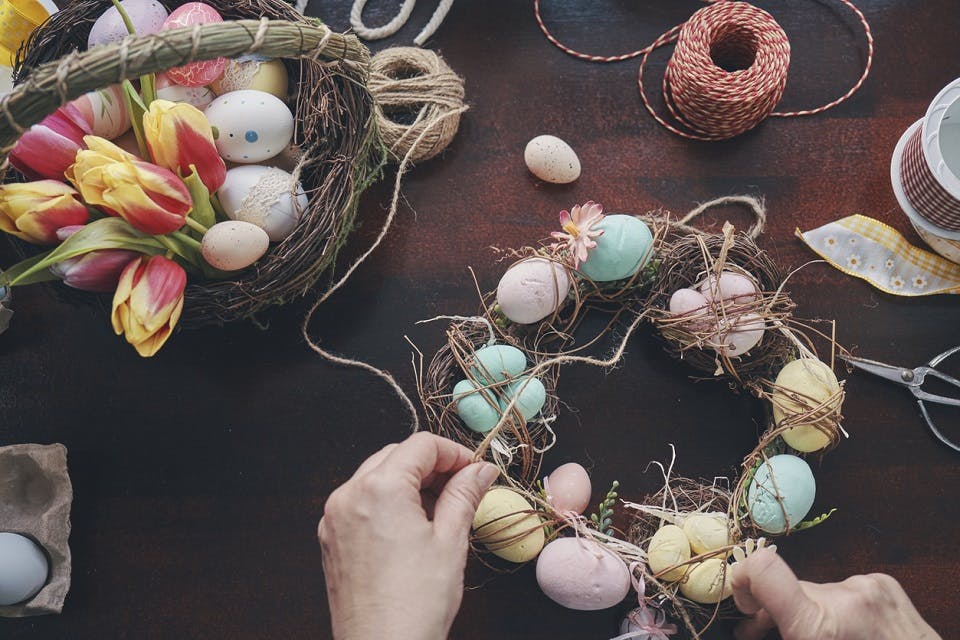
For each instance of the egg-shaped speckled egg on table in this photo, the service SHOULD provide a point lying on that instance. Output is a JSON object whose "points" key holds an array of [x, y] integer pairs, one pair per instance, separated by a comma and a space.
{"points": [[781, 493], [579, 573], [552, 160], [234, 245], [622, 250]]}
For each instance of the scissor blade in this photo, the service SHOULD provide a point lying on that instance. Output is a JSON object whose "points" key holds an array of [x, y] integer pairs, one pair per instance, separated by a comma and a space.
{"points": [[886, 371]]}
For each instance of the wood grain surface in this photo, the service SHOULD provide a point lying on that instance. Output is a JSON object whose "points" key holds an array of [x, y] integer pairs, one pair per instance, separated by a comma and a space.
{"points": [[200, 474]]}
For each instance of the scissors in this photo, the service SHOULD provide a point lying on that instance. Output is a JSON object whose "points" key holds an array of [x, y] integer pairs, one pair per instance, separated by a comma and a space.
{"points": [[913, 380]]}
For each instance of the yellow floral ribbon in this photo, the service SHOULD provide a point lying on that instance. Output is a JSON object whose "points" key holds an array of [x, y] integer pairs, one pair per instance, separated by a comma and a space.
{"points": [[869, 249], [18, 19]]}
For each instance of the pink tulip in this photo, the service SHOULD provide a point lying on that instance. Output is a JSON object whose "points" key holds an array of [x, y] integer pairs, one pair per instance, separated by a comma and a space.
{"points": [[148, 302], [95, 271], [48, 148]]}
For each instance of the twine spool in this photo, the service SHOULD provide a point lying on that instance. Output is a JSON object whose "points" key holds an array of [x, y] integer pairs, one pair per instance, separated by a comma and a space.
{"points": [[728, 70], [925, 167], [418, 98]]}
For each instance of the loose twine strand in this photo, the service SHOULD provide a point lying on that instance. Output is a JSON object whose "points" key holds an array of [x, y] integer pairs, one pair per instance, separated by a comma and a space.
{"points": [[395, 24], [706, 101]]}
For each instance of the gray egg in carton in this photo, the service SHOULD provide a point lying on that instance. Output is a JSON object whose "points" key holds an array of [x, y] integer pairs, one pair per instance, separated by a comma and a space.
{"points": [[35, 499]]}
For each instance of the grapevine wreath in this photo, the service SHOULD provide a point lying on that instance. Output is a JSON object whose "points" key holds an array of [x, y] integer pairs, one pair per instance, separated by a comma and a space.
{"points": [[718, 303]]}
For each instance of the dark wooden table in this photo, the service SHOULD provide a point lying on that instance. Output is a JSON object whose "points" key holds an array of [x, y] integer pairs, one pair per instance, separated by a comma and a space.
{"points": [[200, 474]]}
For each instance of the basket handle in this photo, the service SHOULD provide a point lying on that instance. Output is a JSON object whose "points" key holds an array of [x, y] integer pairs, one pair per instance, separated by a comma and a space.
{"points": [[53, 84]]}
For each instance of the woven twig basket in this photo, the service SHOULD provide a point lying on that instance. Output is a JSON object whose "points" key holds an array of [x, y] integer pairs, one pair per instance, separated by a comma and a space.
{"points": [[335, 137]]}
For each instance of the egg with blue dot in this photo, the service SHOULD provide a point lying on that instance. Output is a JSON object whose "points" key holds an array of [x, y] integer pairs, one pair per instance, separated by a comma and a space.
{"points": [[250, 126]]}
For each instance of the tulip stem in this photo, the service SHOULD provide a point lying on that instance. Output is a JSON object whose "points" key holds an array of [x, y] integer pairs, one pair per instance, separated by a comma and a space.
{"points": [[196, 226]]}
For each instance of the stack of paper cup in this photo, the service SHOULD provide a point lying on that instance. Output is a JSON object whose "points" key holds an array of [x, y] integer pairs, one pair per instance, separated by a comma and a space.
{"points": [[930, 194]]}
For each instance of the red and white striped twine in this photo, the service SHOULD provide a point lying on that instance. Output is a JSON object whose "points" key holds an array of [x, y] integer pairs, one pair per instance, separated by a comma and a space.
{"points": [[923, 190], [706, 101]]}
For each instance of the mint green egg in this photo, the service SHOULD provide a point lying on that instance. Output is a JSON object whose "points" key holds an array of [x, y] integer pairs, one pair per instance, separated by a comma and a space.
{"points": [[530, 396], [781, 493], [621, 251], [497, 363], [474, 409]]}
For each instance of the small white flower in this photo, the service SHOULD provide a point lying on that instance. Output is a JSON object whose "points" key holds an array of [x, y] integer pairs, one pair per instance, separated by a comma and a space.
{"points": [[896, 282], [854, 261], [889, 264], [920, 281], [852, 240], [830, 241]]}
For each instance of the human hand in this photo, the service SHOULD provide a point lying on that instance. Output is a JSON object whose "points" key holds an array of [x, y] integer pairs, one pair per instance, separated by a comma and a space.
{"points": [[872, 607], [395, 539]]}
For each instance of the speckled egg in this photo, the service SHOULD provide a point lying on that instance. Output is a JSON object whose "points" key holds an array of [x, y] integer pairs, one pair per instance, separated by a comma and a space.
{"points": [[23, 569], [497, 362], [251, 126], [706, 531], [744, 333], [269, 76], [580, 574], [105, 111], [504, 522], [622, 250], [708, 582], [772, 509], [532, 290], [530, 394], [167, 89], [568, 488], [668, 547], [473, 407], [263, 196], [234, 245], [816, 383], [203, 72], [552, 160], [735, 287], [147, 17]]}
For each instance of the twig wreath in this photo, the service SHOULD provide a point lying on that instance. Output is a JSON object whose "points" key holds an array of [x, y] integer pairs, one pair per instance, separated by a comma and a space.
{"points": [[718, 303]]}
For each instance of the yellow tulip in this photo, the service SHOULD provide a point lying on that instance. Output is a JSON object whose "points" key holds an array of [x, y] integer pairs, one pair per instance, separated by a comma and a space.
{"points": [[179, 136], [148, 302], [33, 211], [150, 198]]}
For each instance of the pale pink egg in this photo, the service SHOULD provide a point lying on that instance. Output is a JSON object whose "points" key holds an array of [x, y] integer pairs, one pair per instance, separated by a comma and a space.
{"points": [[568, 488], [732, 286], [167, 89], [580, 574], [687, 301], [739, 336], [195, 74]]}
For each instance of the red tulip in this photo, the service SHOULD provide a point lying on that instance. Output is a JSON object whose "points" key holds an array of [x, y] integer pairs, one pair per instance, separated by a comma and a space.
{"points": [[179, 137], [148, 302], [34, 211], [48, 148]]}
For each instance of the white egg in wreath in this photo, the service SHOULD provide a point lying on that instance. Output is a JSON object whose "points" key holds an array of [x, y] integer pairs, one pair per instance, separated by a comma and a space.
{"points": [[250, 126], [265, 196]]}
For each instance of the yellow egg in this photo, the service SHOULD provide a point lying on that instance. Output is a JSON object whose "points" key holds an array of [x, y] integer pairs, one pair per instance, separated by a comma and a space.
{"points": [[707, 583], [706, 531], [503, 523], [816, 381], [668, 547], [269, 76]]}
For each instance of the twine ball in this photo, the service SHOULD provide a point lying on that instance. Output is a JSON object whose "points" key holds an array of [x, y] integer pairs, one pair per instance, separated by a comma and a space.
{"points": [[416, 93]]}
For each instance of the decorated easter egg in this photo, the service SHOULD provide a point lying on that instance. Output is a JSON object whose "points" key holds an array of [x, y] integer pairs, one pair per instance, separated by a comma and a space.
{"points": [[738, 336], [147, 17], [621, 251], [815, 383], [105, 111], [532, 290], [668, 547], [474, 408], [568, 488], [530, 394], [497, 362], [707, 582], [263, 196], [23, 568], [504, 522], [552, 160], [167, 89], [581, 574], [252, 126], [234, 245], [203, 72], [706, 531], [773, 508], [735, 287], [269, 76]]}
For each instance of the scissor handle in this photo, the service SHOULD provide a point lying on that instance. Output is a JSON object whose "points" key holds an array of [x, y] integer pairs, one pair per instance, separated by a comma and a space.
{"points": [[935, 430]]}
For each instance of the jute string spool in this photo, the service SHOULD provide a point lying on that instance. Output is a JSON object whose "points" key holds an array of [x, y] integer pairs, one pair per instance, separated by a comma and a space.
{"points": [[728, 70], [414, 88]]}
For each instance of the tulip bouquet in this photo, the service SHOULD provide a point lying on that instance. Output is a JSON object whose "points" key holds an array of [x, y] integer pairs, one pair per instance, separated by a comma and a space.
{"points": [[122, 222]]}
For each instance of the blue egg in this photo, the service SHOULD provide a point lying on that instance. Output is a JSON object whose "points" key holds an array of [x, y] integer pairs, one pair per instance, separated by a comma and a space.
{"points": [[23, 569], [776, 509], [497, 363], [622, 250], [479, 410], [530, 396]]}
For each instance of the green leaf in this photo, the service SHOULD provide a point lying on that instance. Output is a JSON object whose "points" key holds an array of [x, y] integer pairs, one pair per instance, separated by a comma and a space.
{"points": [[809, 524], [148, 89], [202, 209], [136, 108]]}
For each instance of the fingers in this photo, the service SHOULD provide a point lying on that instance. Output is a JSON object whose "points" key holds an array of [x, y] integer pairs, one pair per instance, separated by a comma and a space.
{"points": [[755, 628], [373, 461], [423, 455], [764, 582], [458, 502]]}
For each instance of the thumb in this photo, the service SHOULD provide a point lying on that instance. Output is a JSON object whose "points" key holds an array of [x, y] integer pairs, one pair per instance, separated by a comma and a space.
{"points": [[764, 582], [460, 498]]}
